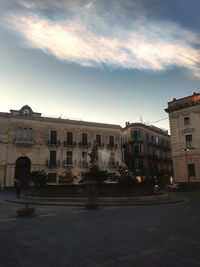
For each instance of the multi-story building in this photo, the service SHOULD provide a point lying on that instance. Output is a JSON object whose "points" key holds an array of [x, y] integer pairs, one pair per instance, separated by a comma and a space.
{"points": [[184, 117], [147, 149], [29, 141]]}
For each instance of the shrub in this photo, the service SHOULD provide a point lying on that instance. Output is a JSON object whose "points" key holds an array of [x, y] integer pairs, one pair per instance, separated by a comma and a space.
{"points": [[38, 178], [94, 175]]}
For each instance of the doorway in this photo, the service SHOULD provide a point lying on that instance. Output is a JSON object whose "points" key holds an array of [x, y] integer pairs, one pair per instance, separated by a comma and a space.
{"points": [[22, 170]]}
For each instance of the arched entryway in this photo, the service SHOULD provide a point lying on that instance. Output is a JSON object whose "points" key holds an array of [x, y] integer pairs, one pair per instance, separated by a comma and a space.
{"points": [[22, 169]]}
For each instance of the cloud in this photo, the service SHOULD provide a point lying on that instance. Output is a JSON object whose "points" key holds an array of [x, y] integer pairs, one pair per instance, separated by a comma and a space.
{"points": [[94, 39]]}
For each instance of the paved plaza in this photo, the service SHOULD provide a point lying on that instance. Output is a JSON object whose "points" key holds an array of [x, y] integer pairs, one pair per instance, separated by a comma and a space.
{"points": [[157, 235]]}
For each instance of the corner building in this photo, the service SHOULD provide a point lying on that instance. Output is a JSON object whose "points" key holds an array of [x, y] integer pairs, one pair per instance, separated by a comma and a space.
{"points": [[184, 118], [147, 149], [29, 141]]}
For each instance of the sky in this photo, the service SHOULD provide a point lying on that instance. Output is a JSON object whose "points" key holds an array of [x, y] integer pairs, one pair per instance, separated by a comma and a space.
{"points": [[108, 61]]}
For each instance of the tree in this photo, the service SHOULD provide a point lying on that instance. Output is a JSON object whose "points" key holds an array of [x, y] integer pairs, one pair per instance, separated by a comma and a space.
{"points": [[38, 178]]}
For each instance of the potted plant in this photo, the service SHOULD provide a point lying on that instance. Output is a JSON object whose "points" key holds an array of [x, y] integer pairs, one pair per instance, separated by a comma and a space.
{"points": [[26, 211], [38, 179]]}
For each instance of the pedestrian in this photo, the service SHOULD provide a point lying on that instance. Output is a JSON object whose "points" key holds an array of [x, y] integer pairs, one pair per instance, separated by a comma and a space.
{"points": [[18, 188]]}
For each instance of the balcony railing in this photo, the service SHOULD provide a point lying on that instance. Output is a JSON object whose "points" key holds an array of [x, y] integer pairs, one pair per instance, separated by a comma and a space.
{"points": [[69, 144], [99, 145], [68, 163], [114, 146], [53, 143], [24, 141], [86, 145], [52, 164]]}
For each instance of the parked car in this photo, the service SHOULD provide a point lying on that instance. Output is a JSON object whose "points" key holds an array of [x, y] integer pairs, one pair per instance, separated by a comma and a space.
{"points": [[173, 187]]}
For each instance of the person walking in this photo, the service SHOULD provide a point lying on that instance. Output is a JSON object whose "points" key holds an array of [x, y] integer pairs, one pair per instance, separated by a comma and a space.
{"points": [[18, 187]]}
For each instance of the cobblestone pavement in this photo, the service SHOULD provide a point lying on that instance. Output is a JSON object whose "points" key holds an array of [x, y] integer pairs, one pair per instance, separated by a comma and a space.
{"points": [[161, 235]]}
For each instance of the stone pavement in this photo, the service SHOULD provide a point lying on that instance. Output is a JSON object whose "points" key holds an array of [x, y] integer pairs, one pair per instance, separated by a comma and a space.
{"points": [[157, 235]]}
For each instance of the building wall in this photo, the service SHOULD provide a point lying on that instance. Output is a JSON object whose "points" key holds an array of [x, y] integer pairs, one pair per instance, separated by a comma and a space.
{"points": [[183, 153], [154, 155], [37, 149]]}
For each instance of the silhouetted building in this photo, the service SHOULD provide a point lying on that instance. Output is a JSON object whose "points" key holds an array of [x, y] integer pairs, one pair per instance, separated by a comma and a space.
{"points": [[147, 149]]}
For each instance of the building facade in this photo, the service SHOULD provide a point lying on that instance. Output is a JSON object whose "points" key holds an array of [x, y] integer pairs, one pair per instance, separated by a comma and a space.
{"points": [[147, 150], [29, 141], [184, 118]]}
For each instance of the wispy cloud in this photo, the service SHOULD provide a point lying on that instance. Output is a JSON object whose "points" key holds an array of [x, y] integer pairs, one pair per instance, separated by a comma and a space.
{"points": [[95, 39]]}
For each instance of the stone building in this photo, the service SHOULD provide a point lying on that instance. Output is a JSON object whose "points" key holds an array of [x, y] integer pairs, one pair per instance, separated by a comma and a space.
{"points": [[184, 117], [29, 141], [147, 149]]}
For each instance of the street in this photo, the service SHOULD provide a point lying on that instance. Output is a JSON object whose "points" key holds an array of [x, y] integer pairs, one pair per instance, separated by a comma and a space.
{"points": [[159, 235]]}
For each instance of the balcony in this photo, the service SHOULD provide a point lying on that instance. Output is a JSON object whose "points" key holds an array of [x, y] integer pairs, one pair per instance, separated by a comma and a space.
{"points": [[84, 145], [24, 141], [152, 156], [112, 146], [137, 141], [167, 159], [68, 162], [69, 144], [51, 143], [52, 164], [99, 145]]}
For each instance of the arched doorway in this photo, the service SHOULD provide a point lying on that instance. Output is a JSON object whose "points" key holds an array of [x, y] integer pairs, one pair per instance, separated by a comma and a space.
{"points": [[22, 169]]}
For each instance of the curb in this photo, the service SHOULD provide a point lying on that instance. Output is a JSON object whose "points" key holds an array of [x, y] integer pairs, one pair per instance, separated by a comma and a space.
{"points": [[82, 204]]}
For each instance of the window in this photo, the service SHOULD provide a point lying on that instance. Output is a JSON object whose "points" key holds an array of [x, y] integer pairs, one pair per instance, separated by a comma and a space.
{"points": [[84, 139], [188, 140], [98, 139], [138, 164], [136, 135], [186, 120], [52, 177], [111, 141], [53, 137], [52, 160], [152, 139], [136, 150], [69, 138], [157, 140], [162, 142], [69, 158], [191, 170], [147, 137], [19, 133], [24, 134]]}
